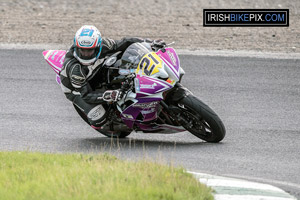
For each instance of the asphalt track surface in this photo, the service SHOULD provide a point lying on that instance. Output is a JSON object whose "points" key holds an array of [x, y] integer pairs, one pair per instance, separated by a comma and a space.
{"points": [[258, 100]]}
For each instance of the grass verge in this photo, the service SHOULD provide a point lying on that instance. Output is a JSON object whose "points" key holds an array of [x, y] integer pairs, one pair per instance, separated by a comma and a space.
{"points": [[25, 175]]}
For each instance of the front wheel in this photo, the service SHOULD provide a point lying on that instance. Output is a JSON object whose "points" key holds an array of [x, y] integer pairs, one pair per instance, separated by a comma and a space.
{"points": [[201, 120]]}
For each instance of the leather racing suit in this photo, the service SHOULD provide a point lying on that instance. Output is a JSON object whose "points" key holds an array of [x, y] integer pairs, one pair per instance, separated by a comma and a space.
{"points": [[75, 80]]}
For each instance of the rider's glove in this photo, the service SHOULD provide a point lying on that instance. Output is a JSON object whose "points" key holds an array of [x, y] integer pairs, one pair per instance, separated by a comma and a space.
{"points": [[112, 95], [158, 44]]}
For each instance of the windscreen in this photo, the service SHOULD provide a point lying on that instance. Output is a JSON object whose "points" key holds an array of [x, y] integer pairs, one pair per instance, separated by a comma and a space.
{"points": [[133, 54]]}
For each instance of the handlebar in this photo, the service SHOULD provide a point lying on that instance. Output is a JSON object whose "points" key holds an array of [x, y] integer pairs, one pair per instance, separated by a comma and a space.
{"points": [[167, 45], [127, 83]]}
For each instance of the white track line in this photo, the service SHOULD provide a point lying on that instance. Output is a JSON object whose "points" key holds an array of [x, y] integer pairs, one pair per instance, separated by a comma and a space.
{"points": [[283, 183], [237, 189]]}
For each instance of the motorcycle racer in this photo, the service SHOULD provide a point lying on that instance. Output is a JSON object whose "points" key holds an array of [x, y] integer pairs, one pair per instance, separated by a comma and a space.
{"points": [[83, 62], [149, 76]]}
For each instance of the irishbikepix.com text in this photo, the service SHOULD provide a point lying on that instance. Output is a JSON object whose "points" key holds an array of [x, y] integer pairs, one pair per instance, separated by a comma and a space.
{"points": [[245, 17]]}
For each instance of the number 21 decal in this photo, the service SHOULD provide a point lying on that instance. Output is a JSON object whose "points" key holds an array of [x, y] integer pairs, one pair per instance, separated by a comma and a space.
{"points": [[148, 64]]}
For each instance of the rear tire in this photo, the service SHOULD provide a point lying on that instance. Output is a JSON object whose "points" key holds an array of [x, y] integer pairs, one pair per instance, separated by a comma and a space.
{"points": [[201, 120], [121, 134]]}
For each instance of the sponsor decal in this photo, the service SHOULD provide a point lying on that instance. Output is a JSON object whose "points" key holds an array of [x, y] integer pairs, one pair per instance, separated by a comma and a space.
{"points": [[145, 112], [85, 43], [172, 57], [146, 105], [246, 17], [171, 81], [146, 86]]}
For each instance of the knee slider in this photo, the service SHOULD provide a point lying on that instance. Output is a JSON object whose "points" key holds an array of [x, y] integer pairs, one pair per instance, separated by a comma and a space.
{"points": [[97, 115]]}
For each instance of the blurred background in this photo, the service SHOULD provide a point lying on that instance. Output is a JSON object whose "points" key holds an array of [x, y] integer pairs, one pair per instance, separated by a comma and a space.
{"points": [[55, 22]]}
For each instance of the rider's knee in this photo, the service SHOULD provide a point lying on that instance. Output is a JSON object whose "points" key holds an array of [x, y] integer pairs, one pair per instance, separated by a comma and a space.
{"points": [[97, 116]]}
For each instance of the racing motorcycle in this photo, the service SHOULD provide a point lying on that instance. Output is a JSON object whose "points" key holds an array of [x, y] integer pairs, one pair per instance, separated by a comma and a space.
{"points": [[153, 100]]}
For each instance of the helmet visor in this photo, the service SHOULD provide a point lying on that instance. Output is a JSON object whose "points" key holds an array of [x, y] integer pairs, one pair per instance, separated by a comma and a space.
{"points": [[86, 53]]}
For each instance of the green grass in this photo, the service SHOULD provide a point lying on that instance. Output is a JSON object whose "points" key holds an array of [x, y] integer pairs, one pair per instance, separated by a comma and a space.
{"points": [[25, 175]]}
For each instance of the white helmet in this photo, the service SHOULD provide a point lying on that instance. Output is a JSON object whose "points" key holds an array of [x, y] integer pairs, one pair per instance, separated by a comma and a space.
{"points": [[88, 44]]}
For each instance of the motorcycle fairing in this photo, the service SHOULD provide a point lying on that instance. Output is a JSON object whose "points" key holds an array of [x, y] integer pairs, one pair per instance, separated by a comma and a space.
{"points": [[147, 86], [146, 108], [55, 59], [171, 59]]}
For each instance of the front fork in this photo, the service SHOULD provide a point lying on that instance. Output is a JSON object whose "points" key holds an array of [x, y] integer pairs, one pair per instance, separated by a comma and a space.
{"points": [[170, 104], [177, 93]]}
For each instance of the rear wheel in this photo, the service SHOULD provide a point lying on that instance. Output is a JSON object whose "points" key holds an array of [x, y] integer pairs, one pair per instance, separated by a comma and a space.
{"points": [[201, 120], [113, 134]]}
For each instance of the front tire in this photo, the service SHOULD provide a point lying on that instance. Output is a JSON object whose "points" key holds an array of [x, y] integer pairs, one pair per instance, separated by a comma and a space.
{"points": [[201, 120]]}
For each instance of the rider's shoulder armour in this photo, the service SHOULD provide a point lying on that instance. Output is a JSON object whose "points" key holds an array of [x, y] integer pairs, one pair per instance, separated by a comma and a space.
{"points": [[77, 75]]}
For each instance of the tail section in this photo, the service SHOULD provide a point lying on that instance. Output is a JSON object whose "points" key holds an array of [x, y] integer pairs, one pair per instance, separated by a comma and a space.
{"points": [[55, 58]]}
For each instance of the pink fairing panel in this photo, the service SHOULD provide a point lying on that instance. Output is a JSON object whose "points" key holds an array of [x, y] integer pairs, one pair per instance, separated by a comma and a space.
{"points": [[55, 59], [58, 79], [170, 57]]}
